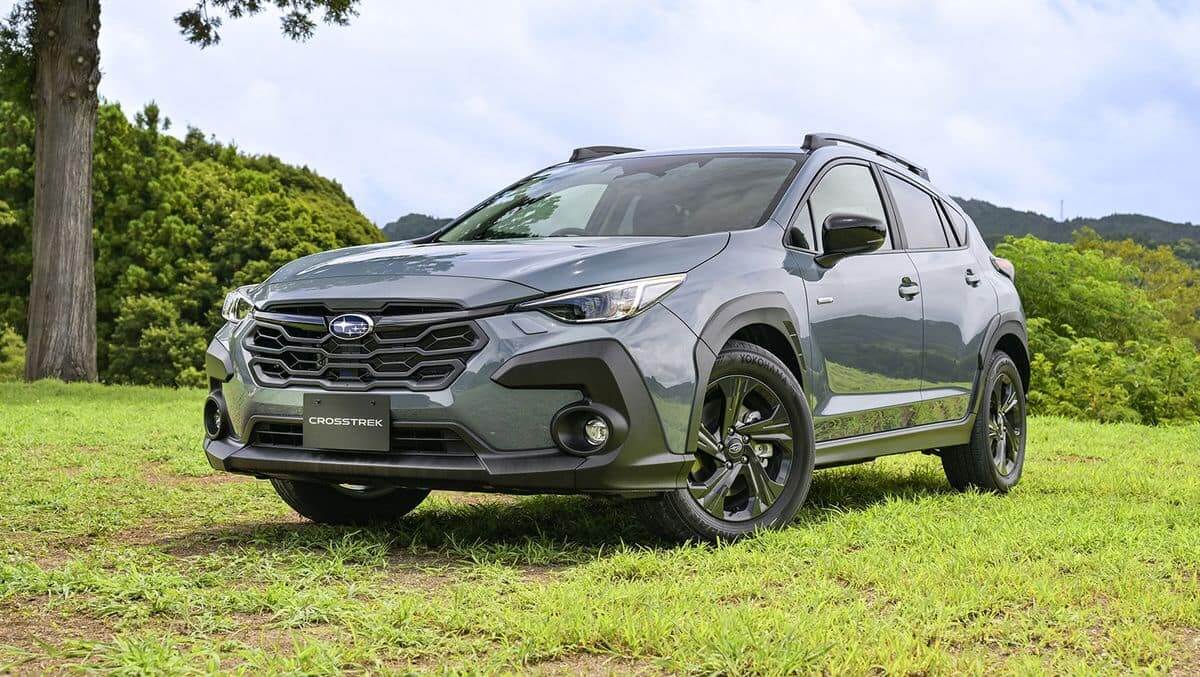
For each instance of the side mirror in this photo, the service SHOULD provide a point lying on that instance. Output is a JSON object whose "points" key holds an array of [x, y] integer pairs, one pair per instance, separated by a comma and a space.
{"points": [[845, 235]]}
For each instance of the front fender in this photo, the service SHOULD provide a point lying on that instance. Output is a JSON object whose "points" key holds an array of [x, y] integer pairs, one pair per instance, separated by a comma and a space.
{"points": [[762, 308]]}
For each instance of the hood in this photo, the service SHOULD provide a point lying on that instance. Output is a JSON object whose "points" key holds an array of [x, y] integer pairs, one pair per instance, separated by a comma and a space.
{"points": [[534, 265]]}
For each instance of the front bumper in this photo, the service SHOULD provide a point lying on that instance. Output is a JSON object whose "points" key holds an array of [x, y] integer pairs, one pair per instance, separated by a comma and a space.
{"points": [[500, 407]]}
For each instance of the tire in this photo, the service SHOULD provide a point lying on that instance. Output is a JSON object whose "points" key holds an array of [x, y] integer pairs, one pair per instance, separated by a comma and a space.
{"points": [[753, 480], [980, 463], [346, 505]]}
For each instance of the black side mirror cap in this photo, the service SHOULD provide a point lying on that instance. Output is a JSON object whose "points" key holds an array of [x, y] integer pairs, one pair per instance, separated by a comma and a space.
{"points": [[845, 235]]}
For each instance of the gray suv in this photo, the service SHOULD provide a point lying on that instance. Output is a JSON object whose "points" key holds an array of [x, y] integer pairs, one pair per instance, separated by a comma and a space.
{"points": [[695, 329]]}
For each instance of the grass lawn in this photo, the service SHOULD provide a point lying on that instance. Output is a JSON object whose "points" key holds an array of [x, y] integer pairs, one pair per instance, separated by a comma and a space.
{"points": [[122, 551]]}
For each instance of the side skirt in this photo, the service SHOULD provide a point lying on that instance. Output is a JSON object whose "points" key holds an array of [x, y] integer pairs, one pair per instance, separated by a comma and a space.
{"points": [[866, 447]]}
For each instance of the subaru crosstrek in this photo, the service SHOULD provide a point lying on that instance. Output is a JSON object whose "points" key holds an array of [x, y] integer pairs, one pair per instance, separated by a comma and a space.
{"points": [[695, 329]]}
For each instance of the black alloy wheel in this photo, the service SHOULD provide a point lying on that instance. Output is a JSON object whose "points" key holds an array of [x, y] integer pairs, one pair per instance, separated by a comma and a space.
{"points": [[745, 449], [1006, 424], [994, 457], [752, 463]]}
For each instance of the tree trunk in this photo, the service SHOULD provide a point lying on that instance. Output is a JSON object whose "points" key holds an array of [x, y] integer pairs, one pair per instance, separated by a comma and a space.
{"points": [[62, 297]]}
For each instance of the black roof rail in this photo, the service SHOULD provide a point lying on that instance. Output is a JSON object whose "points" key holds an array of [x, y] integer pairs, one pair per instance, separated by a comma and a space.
{"points": [[593, 152], [815, 141]]}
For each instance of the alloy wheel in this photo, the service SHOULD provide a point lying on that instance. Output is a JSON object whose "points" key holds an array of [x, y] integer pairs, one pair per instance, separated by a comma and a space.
{"points": [[1006, 424], [745, 449]]}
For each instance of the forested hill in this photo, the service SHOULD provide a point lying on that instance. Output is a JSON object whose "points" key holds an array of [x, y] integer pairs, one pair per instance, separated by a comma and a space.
{"points": [[412, 226], [177, 223], [995, 222]]}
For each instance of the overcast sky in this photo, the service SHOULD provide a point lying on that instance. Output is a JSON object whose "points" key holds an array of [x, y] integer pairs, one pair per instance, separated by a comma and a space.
{"points": [[430, 106]]}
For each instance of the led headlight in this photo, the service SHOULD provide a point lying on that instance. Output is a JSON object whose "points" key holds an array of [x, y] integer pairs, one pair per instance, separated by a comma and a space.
{"points": [[238, 305], [608, 302]]}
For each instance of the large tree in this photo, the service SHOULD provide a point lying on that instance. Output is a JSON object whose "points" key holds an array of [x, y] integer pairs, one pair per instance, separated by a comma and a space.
{"points": [[50, 57]]}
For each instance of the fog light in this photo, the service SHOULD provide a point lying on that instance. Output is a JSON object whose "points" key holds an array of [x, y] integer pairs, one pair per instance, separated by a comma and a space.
{"points": [[215, 421], [596, 431]]}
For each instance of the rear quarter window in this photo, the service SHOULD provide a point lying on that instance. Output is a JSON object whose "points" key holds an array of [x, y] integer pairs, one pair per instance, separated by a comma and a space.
{"points": [[957, 223]]}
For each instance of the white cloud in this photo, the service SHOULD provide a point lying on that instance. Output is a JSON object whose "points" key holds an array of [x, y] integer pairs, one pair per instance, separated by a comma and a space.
{"points": [[430, 107]]}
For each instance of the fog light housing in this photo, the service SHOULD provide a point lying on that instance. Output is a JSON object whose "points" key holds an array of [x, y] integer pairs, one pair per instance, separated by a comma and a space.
{"points": [[588, 428], [216, 422], [596, 431]]}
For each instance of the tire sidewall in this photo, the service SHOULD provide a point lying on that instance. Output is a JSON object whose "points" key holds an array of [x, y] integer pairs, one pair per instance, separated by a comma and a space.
{"points": [[746, 361]]}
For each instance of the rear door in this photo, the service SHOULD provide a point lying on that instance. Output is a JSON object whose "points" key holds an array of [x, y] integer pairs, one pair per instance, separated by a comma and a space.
{"points": [[957, 304], [866, 332]]}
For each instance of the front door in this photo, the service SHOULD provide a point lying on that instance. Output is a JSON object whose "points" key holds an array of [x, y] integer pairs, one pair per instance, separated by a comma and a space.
{"points": [[865, 317]]}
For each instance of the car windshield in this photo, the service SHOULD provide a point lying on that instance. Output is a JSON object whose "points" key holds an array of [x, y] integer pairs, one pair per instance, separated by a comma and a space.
{"points": [[660, 196]]}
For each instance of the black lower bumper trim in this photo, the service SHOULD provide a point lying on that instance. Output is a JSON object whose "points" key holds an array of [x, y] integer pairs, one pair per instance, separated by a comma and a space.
{"points": [[535, 471]]}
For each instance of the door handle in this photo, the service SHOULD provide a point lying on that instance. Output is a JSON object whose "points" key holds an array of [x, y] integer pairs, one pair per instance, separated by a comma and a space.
{"points": [[972, 278], [909, 289]]}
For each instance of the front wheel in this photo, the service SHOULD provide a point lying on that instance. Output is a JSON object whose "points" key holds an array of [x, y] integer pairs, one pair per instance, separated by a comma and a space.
{"points": [[348, 504], [754, 457], [995, 456]]}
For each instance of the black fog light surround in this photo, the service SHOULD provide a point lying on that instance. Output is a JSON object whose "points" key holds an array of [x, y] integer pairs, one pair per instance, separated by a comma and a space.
{"points": [[216, 421], [588, 428]]}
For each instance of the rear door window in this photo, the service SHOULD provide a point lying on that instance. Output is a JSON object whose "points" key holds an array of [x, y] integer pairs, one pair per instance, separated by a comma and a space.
{"points": [[918, 215]]}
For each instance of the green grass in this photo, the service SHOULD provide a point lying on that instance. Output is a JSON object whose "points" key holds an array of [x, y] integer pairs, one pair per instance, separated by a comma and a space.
{"points": [[121, 551]]}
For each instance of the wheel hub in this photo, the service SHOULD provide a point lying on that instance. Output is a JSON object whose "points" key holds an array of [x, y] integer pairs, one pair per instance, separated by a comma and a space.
{"points": [[735, 447]]}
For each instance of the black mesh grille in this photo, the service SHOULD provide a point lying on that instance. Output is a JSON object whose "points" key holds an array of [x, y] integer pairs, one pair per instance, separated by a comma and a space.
{"points": [[412, 347], [404, 440]]}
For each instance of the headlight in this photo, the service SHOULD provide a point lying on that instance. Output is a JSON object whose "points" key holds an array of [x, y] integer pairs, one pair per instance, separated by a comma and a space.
{"points": [[609, 302], [238, 305]]}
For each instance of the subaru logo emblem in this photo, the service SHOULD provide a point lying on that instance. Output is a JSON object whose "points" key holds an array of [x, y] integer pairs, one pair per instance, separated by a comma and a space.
{"points": [[351, 326]]}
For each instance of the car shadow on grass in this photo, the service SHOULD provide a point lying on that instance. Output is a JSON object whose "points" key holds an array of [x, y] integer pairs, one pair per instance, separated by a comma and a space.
{"points": [[533, 530]]}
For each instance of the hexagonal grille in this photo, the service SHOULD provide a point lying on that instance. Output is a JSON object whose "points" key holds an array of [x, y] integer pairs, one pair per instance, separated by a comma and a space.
{"points": [[424, 350]]}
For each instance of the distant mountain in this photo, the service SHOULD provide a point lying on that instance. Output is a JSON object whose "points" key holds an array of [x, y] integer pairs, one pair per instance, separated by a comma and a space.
{"points": [[995, 222], [412, 226]]}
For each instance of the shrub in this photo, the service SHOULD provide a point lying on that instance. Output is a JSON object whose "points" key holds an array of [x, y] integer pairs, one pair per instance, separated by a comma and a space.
{"points": [[150, 345], [1107, 339], [12, 355], [1089, 378], [1094, 294]]}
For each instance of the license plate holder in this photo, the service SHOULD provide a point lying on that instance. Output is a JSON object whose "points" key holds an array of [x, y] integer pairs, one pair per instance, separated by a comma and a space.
{"points": [[347, 422]]}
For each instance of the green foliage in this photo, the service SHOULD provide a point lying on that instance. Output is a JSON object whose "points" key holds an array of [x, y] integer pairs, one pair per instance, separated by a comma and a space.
{"points": [[149, 342], [16, 52], [1096, 295], [16, 212], [12, 354], [1171, 283], [177, 224], [1134, 381], [1111, 329], [199, 24]]}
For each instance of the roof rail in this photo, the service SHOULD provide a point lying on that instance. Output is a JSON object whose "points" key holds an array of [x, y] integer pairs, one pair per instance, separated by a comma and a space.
{"points": [[593, 152], [815, 141]]}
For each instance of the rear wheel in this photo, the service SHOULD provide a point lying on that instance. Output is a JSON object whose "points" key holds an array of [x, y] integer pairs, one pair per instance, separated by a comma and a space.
{"points": [[754, 457], [350, 504], [995, 457]]}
